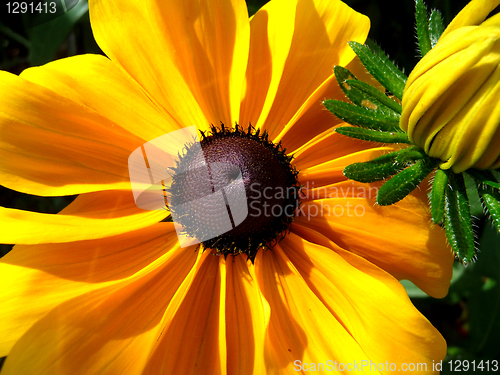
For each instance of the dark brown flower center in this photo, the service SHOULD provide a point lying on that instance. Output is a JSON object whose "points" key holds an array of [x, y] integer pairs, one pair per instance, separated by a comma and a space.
{"points": [[236, 194]]}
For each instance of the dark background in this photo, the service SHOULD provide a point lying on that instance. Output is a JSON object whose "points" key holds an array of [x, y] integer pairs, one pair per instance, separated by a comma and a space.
{"points": [[469, 317]]}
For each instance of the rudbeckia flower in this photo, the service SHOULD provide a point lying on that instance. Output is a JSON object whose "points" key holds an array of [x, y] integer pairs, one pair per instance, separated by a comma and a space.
{"points": [[451, 99], [104, 287]]}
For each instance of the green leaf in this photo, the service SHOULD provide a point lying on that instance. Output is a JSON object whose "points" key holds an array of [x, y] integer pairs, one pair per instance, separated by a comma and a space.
{"points": [[365, 95], [486, 177], [14, 36], [51, 9], [475, 204], [410, 155], [382, 69], [483, 302], [424, 40], [491, 200], [436, 27], [342, 74], [438, 196], [383, 166], [362, 116], [375, 96], [373, 135], [379, 52], [46, 39], [457, 223], [405, 182], [377, 169]]}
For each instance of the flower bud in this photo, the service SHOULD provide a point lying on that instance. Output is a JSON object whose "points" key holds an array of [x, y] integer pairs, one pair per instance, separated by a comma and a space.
{"points": [[451, 101]]}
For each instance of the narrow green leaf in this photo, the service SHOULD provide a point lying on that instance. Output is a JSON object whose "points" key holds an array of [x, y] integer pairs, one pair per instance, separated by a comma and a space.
{"points": [[375, 96], [365, 95], [342, 74], [405, 182], [14, 36], [438, 196], [382, 69], [491, 200], [436, 27], [486, 177], [373, 135], [424, 40], [362, 116], [457, 222], [382, 167], [377, 169], [410, 155], [379, 52], [475, 204]]}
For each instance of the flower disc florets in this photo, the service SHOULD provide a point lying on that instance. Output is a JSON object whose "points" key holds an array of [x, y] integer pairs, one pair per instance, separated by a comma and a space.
{"points": [[236, 166]]}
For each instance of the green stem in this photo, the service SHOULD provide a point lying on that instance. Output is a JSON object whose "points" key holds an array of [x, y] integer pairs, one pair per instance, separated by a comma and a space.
{"points": [[14, 36]]}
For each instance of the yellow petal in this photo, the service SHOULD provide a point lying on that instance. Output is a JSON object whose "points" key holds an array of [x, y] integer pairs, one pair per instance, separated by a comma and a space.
{"points": [[96, 82], [421, 118], [492, 21], [247, 319], [397, 238], [50, 145], [271, 32], [372, 306], [469, 135], [472, 14], [106, 214], [193, 340], [322, 30], [301, 326], [189, 56], [472, 41], [315, 113], [107, 331], [37, 278], [332, 171], [326, 146]]}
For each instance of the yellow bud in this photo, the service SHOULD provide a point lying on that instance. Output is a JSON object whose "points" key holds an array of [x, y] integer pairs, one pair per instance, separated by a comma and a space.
{"points": [[451, 101]]}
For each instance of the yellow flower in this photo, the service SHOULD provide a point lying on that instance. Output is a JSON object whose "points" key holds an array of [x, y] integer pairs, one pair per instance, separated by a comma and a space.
{"points": [[451, 99], [103, 287]]}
